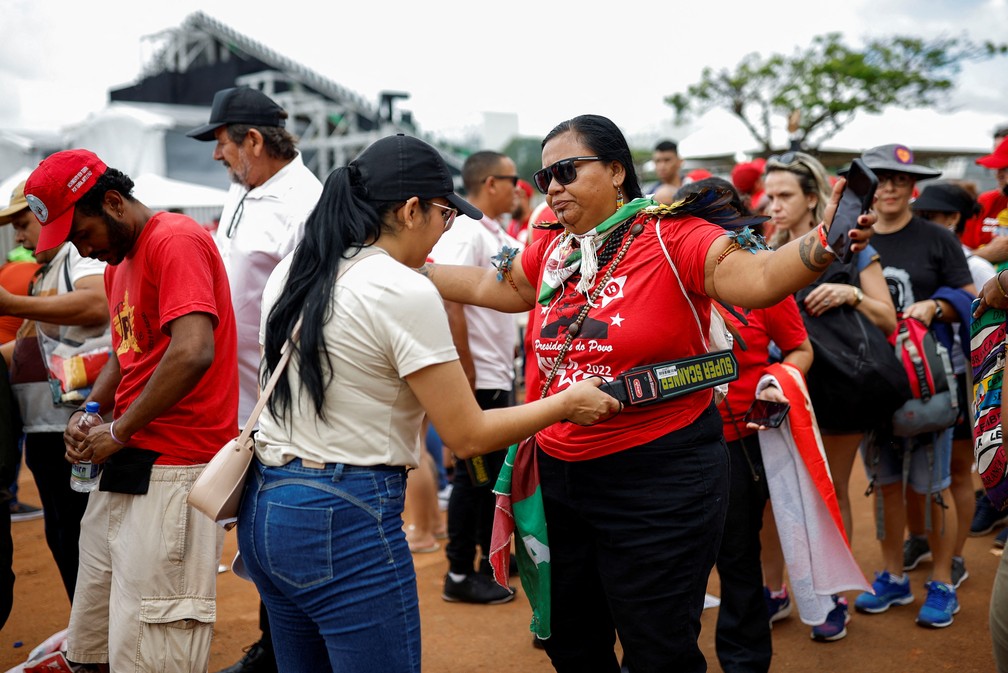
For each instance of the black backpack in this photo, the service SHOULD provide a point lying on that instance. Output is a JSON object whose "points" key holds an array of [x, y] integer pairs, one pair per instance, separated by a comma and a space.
{"points": [[855, 382]]}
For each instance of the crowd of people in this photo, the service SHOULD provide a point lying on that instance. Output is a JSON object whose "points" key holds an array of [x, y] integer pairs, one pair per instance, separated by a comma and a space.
{"points": [[414, 316]]}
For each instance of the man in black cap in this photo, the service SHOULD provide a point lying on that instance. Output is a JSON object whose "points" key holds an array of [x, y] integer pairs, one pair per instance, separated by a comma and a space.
{"points": [[271, 194]]}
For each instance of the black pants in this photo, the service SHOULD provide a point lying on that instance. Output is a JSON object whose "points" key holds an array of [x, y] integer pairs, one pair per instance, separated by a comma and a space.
{"points": [[471, 507], [742, 639], [63, 507], [10, 458], [633, 537], [6, 561]]}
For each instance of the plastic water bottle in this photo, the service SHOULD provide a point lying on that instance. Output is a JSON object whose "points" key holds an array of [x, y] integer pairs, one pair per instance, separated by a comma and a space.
{"points": [[84, 475]]}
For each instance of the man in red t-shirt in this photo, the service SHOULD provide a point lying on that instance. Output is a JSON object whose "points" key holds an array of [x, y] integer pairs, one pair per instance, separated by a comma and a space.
{"points": [[171, 386], [987, 232]]}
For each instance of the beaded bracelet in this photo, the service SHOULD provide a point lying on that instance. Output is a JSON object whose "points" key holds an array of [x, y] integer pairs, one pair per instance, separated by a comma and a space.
{"points": [[112, 432], [732, 247], [503, 260], [997, 280]]}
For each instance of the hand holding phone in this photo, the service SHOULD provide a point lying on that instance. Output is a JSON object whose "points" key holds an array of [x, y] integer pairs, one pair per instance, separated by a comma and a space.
{"points": [[858, 195], [767, 414]]}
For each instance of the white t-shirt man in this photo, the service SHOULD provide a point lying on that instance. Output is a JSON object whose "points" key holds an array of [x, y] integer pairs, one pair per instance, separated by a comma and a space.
{"points": [[492, 334], [257, 229]]}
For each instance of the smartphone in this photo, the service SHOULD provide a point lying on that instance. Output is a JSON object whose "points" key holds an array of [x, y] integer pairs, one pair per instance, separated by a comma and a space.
{"points": [[766, 413], [857, 199]]}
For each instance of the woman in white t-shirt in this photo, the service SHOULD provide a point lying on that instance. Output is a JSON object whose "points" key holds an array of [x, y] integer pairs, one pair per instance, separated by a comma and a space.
{"points": [[320, 528]]}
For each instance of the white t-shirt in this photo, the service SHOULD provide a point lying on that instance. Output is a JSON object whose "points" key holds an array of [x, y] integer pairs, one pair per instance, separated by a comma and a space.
{"points": [[492, 334], [271, 223], [387, 322]]}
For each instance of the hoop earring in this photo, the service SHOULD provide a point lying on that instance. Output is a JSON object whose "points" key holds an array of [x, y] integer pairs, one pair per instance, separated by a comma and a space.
{"points": [[619, 198]]}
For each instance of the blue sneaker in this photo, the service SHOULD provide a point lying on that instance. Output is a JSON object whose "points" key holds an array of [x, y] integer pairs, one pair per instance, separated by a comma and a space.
{"points": [[985, 516], [777, 608], [835, 626], [889, 591], [939, 607]]}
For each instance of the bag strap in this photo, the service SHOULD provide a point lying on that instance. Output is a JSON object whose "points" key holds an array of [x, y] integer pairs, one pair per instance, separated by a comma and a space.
{"points": [[696, 316], [270, 385], [285, 355], [66, 273]]}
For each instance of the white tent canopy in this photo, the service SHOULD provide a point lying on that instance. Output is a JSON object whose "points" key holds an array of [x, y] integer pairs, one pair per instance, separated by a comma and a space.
{"points": [[161, 193], [8, 184]]}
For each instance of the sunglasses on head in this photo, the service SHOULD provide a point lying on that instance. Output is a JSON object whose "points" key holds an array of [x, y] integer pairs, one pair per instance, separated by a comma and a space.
{"points": [[563, 171], [786, 160]]}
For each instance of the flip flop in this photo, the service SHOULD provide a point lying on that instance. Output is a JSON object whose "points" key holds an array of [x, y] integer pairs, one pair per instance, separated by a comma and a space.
{"points": [[425, 550]]}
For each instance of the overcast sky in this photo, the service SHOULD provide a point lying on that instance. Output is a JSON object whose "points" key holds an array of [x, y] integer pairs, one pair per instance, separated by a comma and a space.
{"points": [[545, 61]]}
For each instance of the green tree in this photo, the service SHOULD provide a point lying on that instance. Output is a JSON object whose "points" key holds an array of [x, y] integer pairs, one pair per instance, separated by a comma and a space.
{"points": [[822, 88], [526, 152]]}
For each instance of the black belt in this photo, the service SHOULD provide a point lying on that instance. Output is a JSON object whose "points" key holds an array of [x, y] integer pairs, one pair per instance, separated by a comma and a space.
{"points": [[662, 381]]}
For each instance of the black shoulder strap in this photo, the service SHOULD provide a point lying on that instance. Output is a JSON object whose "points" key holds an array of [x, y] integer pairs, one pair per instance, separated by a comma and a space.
{"points": [[66, 272]]}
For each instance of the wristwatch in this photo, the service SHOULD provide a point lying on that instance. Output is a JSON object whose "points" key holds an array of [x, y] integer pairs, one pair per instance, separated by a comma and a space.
{"points": [[938, 309], [858, 295]]}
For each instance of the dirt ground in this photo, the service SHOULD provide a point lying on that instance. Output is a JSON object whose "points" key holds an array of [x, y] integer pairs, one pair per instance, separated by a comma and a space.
{"points": [[460, 638]]}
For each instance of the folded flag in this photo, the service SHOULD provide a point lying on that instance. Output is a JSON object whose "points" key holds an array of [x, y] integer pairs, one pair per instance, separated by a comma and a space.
{"points": [[816, 550], [520, 513]]}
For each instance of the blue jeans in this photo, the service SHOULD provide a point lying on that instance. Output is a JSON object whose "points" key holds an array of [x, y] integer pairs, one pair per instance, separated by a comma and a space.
{"points": [[929, 469], [326, 549]]}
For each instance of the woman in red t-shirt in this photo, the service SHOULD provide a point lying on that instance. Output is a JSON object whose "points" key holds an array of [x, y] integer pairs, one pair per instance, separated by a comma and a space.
{"points": [[635, 505]]}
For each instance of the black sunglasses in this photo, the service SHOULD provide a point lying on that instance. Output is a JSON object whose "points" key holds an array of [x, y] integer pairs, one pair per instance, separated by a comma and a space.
{"points": [[563, 171]]}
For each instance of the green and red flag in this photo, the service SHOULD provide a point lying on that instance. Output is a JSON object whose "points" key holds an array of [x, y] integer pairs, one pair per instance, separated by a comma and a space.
{"points": [[520, 513]]}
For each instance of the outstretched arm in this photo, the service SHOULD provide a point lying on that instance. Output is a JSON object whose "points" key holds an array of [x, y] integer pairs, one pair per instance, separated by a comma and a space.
{"points": [[444, 392], [765, 278], [480, 287]]}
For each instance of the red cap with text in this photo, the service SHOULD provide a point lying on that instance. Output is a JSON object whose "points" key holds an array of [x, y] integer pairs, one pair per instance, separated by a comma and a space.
{"points": [[54, 188]]}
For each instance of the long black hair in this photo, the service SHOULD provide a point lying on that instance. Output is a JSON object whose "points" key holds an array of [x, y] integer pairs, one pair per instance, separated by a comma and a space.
{"points": [[605, 139], [342, 222]]}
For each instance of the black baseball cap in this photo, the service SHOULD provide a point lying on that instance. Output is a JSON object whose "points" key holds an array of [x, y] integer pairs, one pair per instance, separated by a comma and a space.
{"points": [[400, 167], [240, 105], [943, 197]]}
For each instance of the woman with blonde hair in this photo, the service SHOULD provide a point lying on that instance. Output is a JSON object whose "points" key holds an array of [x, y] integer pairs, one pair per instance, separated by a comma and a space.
{"points": [[798, 189]]}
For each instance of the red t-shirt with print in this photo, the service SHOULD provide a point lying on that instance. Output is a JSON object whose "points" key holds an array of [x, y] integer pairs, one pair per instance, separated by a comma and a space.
{"points": [[174, 270], [642, 317]]}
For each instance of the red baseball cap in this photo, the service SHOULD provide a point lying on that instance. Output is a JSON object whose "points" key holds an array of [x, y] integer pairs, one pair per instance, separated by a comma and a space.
{"points": [[745, 175], [998, 158], [54, 188], [525, 187]]}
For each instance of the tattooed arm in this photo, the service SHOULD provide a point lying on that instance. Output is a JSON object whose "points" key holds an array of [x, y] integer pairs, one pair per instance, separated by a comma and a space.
{"points": [[765, 278]]}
